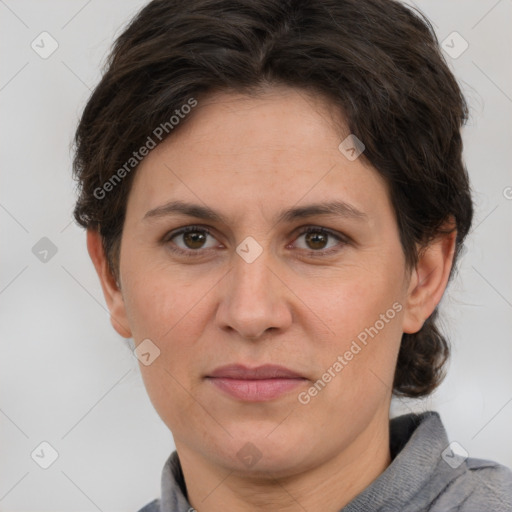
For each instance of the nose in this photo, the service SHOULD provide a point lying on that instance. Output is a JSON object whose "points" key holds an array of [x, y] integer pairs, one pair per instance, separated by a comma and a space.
{"points": [[254, 299]]}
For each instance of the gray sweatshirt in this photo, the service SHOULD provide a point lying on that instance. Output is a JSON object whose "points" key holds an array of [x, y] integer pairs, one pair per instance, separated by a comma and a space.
{"points": [[426, 475]]}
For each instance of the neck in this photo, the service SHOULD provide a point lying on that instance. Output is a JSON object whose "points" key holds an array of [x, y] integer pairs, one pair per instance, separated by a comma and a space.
{"points": [[327, 487]]}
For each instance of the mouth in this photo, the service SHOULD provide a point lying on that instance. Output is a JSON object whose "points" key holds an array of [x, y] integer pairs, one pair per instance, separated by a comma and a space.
{"points": [[258, 384]]}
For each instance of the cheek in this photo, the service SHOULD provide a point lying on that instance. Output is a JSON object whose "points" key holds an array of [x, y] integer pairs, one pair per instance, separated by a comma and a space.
{"points": [[158, 300], [364, 316], [354, 302], [171, 308], [168, 312]]}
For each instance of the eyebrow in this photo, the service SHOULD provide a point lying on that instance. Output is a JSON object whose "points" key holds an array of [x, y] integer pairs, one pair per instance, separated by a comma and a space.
{"points": [[336, 208]]}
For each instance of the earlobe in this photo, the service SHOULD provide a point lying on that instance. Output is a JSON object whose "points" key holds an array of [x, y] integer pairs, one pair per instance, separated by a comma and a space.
{"points": [[111, 291], [429, 280]]}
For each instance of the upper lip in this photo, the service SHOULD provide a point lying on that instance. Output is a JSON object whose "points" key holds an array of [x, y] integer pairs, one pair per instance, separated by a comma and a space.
{"points": [[267, 371]]}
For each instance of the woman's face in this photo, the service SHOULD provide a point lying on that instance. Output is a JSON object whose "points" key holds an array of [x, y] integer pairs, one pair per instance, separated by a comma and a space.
{"points": [[327, 306]]}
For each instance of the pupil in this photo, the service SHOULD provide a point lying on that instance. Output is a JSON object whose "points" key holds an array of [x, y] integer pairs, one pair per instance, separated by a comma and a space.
{"points": [[195, 239], [316, 238]]}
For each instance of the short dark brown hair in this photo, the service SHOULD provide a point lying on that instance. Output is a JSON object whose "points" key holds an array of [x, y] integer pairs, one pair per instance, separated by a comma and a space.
{"points": [[377, 62]]}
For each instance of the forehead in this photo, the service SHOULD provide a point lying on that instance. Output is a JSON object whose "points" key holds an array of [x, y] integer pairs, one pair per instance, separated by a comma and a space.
{"points": [[273, 149]]}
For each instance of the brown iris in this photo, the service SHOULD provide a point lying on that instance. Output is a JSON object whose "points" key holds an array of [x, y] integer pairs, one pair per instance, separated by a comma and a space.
{"points": [[316, 239], [194, 239]]}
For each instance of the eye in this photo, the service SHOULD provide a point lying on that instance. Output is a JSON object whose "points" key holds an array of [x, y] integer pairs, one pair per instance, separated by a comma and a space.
{"points": [[193, 241], [190, 239], [316, 240]]}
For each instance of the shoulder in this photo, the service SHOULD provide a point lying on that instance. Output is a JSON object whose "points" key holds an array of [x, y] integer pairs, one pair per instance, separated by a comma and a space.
{"points": [[154, 506], [439, 479], [492, 478], [484, 485]]}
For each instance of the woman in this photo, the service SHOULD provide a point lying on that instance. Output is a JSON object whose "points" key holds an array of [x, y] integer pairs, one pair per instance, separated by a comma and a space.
{"points": [[275, 198]]}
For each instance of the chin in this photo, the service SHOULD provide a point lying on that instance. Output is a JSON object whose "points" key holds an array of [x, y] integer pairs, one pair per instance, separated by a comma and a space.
{"points": [[260, 455]]}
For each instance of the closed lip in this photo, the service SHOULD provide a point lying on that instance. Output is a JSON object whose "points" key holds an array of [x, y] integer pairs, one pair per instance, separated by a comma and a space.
{"points": [[267, 371]]}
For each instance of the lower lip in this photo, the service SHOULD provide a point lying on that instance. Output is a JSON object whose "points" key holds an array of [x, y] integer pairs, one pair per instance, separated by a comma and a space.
{"points": [[257, 390]]}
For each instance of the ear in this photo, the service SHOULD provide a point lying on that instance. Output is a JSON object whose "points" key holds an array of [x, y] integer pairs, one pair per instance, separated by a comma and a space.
{"points": [[429, 279], [111, 291]]}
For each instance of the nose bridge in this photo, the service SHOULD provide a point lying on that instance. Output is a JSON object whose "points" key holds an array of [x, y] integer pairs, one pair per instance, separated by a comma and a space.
{"points": [[252, 276], [251, 279], [253, 299]]}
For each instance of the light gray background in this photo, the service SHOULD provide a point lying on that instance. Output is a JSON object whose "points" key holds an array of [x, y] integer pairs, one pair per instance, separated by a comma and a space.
{"points": [[67, 378]]}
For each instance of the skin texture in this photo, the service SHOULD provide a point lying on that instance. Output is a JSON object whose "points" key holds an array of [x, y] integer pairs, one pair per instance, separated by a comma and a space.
{"points": [[249, 158]]}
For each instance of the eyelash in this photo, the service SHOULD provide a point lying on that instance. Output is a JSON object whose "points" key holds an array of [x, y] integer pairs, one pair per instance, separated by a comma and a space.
{"points": [[344, 240]]}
